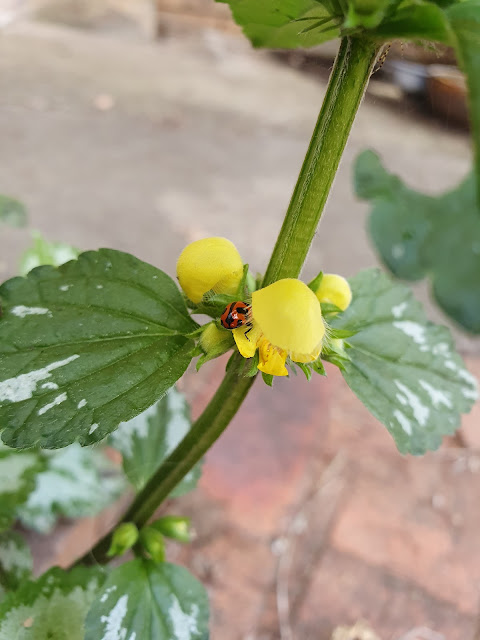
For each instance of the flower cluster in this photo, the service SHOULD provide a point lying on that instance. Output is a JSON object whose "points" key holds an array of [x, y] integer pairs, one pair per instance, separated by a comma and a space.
{"points": [[284, 320]]}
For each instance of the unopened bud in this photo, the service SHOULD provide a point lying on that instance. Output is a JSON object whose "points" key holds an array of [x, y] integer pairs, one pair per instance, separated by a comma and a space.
{"points": [[334, 289], [210, 263], [123, 539], [154, 543], [175, 527], [213, 339]]}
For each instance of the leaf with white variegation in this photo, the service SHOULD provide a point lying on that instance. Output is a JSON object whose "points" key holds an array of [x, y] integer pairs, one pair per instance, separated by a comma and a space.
{"points": [[413, 233], [44, 251], [148, 439], [17, 480], [53, 607], [68, 487], [87, 345], [12, 211], [145, 600], [16, 561], [403, 367]]}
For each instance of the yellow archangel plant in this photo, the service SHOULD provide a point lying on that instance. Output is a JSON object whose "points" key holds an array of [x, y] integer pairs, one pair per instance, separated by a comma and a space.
{"points": [[284, 320]]}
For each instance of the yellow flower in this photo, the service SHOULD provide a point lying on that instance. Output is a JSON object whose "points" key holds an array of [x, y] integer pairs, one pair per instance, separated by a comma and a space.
{"points": [[211, 263], [286, 321], [334, 289]]}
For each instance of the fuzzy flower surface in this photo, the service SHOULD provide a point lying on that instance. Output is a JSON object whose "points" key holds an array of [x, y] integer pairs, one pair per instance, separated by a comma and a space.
{"points": [[210, 263], [286, 322]]}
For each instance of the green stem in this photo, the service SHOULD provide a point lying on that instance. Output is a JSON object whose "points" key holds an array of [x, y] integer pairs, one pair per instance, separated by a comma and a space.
{"points": [[347, 84], [346, 87], [205, 430]]}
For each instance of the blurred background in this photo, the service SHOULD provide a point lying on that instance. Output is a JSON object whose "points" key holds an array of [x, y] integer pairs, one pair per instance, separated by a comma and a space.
{"points": [[145, 124]]}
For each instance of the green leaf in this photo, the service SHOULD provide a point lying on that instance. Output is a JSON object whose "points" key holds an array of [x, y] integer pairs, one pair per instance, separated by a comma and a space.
{"points": [[17, 480], [340, 334], [306, 370], [318, 367], [268, 379], [283, 23], [414, 233], [329, 310], [402, 367], [212, 304], [44, 252], [147, 440], [424, 20], [68, 487], [314, 284], [52, 608], [12, 212], [247, 367], [147, 601], [87, 345], [16, 561], [464, 19], [366, 13]]}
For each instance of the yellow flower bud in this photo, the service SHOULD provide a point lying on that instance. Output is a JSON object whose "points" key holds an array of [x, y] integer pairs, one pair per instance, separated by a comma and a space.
{"points": [[334, 289], [214, 339], [211, 263], [286, 321]]}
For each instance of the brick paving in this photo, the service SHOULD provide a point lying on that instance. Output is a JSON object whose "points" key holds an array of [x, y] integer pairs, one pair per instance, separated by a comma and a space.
{"points": [[308, 518]]}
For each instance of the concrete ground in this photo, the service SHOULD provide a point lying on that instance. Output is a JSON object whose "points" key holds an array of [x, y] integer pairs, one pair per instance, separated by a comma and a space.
{"points": [[307, 516]]}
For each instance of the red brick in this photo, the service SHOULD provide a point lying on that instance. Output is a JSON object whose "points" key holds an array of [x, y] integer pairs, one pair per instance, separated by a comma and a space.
{"points": [[259, 467], [417, 518], [346, 589]]}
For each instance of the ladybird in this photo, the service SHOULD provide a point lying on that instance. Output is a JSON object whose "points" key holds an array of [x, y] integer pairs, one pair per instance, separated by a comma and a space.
{"points": [[237, 314]]}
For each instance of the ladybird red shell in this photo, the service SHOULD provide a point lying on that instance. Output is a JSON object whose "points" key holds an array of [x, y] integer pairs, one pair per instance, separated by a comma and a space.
{"points": [[237, 314]]}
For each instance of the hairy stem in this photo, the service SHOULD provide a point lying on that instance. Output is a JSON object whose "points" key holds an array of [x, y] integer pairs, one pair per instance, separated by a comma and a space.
{"points": [[347, 84], [346, 87]]}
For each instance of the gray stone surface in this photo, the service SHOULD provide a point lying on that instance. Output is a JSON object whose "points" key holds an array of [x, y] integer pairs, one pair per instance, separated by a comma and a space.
{"points": [[144, 146]]}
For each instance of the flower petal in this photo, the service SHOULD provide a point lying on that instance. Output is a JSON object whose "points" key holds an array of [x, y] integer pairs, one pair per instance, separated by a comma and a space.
{"points": [[211, 263], [289, 316], [302, 357], [272, 360], [247, 344]]}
